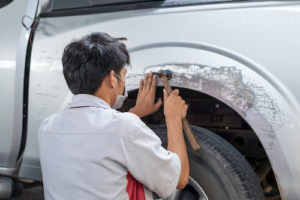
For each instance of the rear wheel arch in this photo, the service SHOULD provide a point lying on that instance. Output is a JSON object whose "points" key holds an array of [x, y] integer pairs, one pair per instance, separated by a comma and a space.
{"points": [[248, 102]]}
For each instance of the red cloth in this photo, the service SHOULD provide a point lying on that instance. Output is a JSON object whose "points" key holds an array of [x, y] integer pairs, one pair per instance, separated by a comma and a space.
{"points": [[134, 188]]}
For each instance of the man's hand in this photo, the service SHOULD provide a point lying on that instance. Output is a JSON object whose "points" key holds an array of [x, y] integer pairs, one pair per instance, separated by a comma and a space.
{"points": [[174, 106], [145, 104]]}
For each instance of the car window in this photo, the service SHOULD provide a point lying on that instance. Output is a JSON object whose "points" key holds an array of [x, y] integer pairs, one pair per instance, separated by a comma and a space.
{"points": [[57, 5], [71, 4]]}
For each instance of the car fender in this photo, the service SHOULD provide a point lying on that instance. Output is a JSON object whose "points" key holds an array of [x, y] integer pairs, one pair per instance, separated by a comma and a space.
{"points": [[266, 104]]}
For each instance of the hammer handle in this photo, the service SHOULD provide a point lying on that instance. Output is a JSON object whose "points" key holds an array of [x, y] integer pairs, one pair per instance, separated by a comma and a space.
{"points": [[185, 124]]}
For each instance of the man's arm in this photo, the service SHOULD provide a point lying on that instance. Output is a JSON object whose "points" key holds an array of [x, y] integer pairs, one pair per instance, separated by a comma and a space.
{"points": [[175, 110]]}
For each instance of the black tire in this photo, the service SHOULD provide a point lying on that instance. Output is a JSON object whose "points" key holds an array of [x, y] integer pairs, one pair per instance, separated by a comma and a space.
{"points": [[221, 171]]}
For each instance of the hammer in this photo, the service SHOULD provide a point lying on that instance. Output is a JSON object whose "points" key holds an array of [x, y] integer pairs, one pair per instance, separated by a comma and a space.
{"points": [[165, 76]]}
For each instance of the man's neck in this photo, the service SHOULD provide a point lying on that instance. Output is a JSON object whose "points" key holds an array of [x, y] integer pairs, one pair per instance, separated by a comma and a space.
{"points": [[105, 95]]}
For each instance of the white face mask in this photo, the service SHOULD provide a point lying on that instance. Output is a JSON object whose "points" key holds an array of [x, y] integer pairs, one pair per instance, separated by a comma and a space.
{"points": [[120, 98]]}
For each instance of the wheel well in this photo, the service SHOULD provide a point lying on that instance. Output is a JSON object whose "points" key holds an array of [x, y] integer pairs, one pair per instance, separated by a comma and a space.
{"points": [[212, 114]]}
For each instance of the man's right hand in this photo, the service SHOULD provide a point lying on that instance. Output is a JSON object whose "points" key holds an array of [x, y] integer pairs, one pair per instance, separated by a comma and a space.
{"points": [[174, 106]]}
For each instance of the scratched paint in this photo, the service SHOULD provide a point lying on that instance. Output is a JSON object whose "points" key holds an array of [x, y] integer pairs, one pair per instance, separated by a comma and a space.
{"points": [[228, 85], [224, 83], [274, 110]]}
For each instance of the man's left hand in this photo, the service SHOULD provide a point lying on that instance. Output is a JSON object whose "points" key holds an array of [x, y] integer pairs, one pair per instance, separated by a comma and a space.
{"points": [[145, 103]]}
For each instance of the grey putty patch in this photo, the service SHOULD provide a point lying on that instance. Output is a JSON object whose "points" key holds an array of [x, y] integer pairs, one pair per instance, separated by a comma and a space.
{"points": [[224, 83]]}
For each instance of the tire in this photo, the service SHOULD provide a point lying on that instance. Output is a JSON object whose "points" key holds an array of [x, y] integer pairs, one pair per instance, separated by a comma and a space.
{"points": [[217, 167]]}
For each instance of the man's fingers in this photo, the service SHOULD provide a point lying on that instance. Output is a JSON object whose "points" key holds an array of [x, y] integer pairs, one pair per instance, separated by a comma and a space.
{"points": [[175, 92], [141, 86], [153, 86], [158, 104], [150, 77], [186, 107], [165, 94], [145, 82]]}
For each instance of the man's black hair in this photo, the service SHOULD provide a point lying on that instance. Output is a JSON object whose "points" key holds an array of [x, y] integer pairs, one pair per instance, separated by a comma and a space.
{"points": [[87, 61]]}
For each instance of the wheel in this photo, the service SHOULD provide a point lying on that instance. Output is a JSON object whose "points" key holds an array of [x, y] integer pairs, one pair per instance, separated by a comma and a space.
{"points": [[217, 170]]}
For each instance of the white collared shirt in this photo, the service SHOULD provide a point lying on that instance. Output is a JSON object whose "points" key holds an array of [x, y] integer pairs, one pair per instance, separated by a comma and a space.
{"points": [[96, 152]]}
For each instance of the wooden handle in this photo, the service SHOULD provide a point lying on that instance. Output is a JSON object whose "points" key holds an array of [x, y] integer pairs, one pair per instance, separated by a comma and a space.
{"points": [[167, 86], [185, 124], [190, 134]]}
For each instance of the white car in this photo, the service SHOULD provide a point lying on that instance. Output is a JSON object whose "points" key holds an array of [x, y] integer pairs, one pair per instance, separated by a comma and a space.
{"points": [[236, 63]]}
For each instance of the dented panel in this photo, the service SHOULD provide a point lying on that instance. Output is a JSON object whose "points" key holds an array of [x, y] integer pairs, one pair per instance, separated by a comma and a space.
{"points": [[224, 83]]}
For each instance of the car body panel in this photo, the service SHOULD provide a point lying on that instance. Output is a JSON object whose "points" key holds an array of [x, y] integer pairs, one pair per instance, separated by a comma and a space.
{"points": [[244, 54], [12, 56]]}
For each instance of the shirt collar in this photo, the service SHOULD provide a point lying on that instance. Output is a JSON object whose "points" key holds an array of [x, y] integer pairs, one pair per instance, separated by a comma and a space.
{"points": [[88, 100]]}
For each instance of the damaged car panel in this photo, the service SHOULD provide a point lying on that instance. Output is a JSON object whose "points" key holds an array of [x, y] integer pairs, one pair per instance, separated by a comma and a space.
{"points": [[248, 93], [241, 54], [224, 83]]}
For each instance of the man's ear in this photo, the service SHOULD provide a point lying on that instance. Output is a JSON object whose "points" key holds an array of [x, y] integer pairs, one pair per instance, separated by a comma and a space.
{"points": [[111, 79]]}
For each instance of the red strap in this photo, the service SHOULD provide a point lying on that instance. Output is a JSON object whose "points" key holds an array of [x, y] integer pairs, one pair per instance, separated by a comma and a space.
{"points": [[80, 106], [134, 188]]}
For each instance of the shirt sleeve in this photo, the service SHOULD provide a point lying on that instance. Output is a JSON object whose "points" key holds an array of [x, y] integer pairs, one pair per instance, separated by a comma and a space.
{"points": [[151, 164]]}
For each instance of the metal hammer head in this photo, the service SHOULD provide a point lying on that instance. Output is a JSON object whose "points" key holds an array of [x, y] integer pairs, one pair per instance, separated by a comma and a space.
{"points": [[161, 73]]}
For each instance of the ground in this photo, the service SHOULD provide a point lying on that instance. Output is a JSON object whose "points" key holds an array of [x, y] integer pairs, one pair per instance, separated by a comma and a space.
{"points": [[32, 191]]}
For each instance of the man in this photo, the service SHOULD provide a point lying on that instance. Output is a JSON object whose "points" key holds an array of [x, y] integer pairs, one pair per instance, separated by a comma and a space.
{"points": [[90, 151]]}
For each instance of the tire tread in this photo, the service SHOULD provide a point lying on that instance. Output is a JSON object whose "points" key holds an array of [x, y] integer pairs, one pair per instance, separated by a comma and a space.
{"points": [[233, 159]]}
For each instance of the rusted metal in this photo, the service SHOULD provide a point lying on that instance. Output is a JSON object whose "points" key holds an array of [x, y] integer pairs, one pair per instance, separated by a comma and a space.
{"points": [[280, 189]]}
